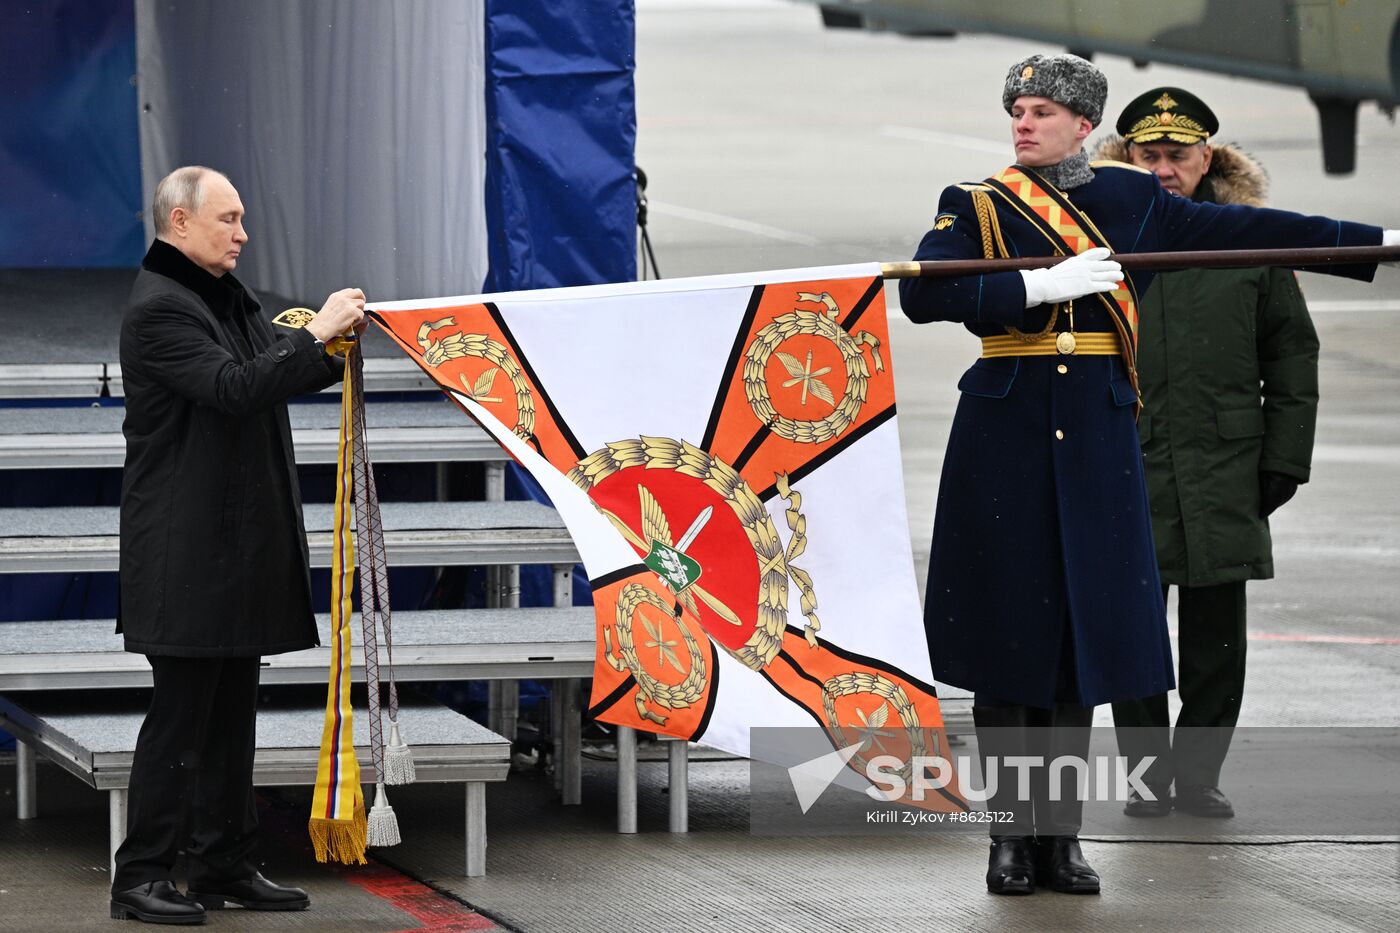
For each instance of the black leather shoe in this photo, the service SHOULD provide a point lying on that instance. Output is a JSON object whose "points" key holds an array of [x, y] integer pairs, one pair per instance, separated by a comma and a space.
{"points": [[1139, 805], [156, 902], [1061, 866], [1203, 800], [256, 893], [1011, 867]]}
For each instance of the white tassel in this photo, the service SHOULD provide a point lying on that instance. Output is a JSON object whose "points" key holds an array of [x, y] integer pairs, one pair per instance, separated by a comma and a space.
{"points": [[383, 825], [398, 759]]}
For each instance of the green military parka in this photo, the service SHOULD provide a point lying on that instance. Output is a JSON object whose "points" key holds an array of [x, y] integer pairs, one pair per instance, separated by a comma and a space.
{"points": [[1227, 360]]}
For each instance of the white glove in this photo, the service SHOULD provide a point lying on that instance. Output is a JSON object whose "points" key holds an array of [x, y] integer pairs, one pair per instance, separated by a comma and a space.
{"points": [[1391, 238], [1089, 272]]}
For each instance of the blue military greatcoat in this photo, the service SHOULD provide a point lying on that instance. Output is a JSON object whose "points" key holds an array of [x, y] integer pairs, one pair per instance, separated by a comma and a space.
{"points": [[1042, 530]]}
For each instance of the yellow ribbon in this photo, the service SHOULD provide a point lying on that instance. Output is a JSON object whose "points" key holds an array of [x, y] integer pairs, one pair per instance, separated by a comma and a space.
{"points": [[338, 823]]}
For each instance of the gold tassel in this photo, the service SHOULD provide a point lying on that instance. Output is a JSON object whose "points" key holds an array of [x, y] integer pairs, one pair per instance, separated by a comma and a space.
{"points": [[339, 841]]}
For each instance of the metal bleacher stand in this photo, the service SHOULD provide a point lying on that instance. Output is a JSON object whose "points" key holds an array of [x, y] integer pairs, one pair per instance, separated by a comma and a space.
{"points": [[500, 644], [95, 742]]}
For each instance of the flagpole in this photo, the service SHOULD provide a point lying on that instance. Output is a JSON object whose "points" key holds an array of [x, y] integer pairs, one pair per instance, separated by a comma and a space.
{"points": [[1161, 262]]}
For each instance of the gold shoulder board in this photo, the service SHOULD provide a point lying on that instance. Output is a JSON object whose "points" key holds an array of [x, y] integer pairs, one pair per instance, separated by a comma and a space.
{"points": [[1113, 163]]}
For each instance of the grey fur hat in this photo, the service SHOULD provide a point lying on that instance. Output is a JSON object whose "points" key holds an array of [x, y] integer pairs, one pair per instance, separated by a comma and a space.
{"points": [[1065, 79]]}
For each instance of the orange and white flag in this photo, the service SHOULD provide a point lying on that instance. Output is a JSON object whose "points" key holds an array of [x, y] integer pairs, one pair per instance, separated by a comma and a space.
{"points": [[725, 453]]}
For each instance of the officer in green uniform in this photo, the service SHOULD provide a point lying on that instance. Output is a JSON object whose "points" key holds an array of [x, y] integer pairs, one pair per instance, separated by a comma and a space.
{"points": [[1227, 362]]}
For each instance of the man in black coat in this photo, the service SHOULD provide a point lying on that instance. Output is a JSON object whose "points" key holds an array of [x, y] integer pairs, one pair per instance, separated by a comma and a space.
{"points": [[214, 566]]}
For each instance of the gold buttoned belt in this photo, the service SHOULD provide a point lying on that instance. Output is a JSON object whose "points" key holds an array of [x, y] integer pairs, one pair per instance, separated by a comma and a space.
{"points": [[1099, 343]]}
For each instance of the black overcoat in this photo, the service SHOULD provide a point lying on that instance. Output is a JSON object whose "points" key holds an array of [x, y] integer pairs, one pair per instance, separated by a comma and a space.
{"points": [[213, 549], [1040, 536]]}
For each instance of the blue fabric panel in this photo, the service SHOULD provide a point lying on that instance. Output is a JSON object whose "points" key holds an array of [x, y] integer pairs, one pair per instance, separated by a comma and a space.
{"points": [[561, 126], [561, 200], [70, 161]]}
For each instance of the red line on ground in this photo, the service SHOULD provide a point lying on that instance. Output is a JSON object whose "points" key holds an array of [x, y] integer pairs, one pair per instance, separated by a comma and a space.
{"points": [[1325, 639], [433, 911]]}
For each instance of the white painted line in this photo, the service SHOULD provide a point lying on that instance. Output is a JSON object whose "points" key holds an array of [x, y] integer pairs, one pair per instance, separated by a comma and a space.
{"points": [[948, 139], [1373, 454], [731, 223], [1309, 639], [1364, 304], [1356, 551], [709, 6]]}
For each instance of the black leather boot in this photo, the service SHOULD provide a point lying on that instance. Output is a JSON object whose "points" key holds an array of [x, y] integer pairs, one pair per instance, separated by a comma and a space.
{"points": [[1138, 805], [255, 893], [1001, 733], [1060, 863], [1060, 866], [156, 902], [1203, 800], [1011, 865]]}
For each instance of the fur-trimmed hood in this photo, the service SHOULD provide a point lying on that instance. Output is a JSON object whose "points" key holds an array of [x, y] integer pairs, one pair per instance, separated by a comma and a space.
{"points": [[1234, 177]]}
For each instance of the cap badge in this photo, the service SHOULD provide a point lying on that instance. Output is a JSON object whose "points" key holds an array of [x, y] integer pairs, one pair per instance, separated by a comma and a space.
{"points": [[1026, 73], [1165, 102], [1168, 117]]}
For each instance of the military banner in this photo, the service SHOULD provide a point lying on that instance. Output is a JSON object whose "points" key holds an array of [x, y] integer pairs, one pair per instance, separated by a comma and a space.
{"points": [[725, 453]]}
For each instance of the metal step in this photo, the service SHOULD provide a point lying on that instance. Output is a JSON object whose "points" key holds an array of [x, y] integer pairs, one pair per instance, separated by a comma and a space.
{"points": [[416, 534]]}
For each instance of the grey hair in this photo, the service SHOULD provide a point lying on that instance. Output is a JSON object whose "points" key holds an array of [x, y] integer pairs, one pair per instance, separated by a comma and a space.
{"points": [[183, 187]]}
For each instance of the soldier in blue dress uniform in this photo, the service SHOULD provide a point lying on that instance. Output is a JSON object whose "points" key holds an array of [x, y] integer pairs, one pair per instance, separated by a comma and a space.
{"points": [[1043, 594]]}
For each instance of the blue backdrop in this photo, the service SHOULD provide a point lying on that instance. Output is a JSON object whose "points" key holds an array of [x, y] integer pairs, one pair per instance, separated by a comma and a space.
{"points": [[70, 160], [561, 129]]}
